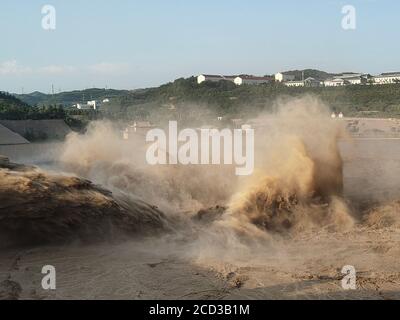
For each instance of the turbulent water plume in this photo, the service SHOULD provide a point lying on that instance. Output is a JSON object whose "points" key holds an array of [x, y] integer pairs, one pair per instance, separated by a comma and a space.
{"points": [[102, 156], [297, 185], [298, 182]]}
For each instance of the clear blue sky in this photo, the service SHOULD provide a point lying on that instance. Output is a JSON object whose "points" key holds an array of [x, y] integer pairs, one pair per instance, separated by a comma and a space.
{"points": [[133, 44]]}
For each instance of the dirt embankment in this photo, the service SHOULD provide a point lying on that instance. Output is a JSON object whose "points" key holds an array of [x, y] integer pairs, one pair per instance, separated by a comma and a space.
{"points": [[42, 207]]}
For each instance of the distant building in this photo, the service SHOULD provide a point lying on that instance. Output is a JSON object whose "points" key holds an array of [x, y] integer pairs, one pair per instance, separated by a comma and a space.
{"points": [[335, 82], [106, 100], [353, 78], [349, 75], [214, 78], [347, 79], [282, 77], [309, 82], [90, 105], [387, 78], [247, 79], [289, 79], [356, 80], [312, 82], [294, 83]]}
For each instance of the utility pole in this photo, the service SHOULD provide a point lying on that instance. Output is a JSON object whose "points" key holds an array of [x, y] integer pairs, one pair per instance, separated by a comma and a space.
{"points": [[52, 93]]}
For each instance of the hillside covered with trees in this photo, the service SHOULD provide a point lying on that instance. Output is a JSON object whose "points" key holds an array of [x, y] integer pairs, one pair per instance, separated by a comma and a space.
{"points": [[184, 99], [69, 97], [11, 108]]}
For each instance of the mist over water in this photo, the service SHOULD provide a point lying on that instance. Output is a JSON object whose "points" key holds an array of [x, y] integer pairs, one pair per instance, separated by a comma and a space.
{"points": [[297, 184]]}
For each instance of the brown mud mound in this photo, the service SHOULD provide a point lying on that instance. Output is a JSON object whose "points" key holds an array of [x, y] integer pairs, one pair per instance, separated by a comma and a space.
{"points": [[42, 207]]}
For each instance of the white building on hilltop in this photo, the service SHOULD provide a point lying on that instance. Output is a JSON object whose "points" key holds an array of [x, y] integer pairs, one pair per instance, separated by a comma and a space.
{"points": [[87, 106], [356, 80], [294, 83], [335, 82], [92, 104], [214, 78], [251, 80], [282, 77], [387, 78], [309, 82], [347, 79]]}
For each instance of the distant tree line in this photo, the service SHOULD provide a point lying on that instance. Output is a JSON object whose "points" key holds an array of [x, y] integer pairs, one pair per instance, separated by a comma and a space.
{"points": [[185, 99], [179, 98]]}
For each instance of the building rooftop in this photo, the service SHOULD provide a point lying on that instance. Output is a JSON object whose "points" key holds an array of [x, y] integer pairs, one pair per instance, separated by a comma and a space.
{"points": [[335, 79], [218, 76], [250, 77], [389, 74]]}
